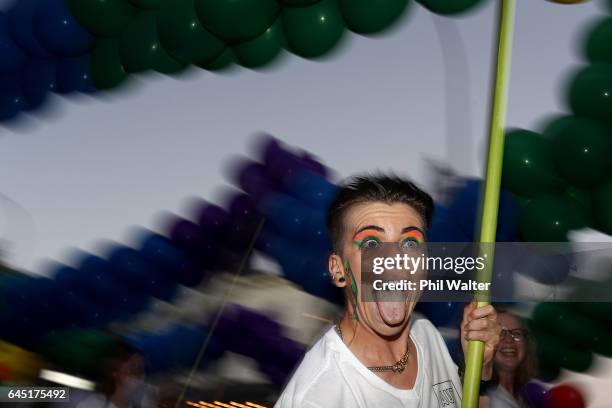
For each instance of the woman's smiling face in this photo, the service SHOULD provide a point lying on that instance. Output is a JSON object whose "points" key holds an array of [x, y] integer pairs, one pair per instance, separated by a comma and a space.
{"points": [[365, 226]]}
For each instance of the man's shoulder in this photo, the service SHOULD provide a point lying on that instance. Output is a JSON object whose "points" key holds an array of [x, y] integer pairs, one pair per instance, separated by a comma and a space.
{"points": [[313, 372]]}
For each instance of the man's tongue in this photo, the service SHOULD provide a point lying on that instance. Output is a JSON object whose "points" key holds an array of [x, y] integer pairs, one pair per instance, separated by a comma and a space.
{"points": [[392, 313]]}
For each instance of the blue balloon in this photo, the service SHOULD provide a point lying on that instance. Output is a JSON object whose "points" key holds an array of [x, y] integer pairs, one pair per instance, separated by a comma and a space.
{"points": [[464, 209], [74, 75], [304, 268], [444, 229], [134, 269], [59, 32], [311, 189], [21, 23], [99, 281], [296, 221], [171, 260], [38, 79], [11, 56], [441, 313], [12, 100]]}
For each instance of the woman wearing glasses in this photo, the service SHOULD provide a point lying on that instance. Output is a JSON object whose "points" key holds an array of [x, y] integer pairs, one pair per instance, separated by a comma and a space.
{"points": [[514, 363]]}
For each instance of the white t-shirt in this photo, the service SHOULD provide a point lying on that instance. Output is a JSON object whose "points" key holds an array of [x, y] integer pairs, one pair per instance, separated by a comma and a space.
{"points": [[331, 376], [500, 398]]}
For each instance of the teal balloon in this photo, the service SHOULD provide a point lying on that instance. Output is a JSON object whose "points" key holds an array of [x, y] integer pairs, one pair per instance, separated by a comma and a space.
{"points": [[590, 92], [602, 204], [581, 150], [548, 218], [597, 47], [528, 167], [262, 50], [183, 36], [102, 17], [450, 7], [371, 16], [314, 30], [237, 20], [141, 49], [107, 71]]}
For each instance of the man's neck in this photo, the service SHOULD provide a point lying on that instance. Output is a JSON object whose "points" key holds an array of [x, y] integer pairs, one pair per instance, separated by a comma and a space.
{"points": [[370, 347]]}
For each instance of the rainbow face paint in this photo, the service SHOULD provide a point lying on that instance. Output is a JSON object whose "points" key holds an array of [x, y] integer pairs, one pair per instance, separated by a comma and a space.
{"points": [[412, 237], [368, 238], [354, 289]]}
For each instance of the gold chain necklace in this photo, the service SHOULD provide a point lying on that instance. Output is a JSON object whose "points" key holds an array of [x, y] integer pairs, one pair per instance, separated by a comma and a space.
{"points": [[398, 367]]}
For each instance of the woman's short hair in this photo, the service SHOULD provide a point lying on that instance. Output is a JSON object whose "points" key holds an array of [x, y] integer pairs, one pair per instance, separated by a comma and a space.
{"points": [[388, 189]]}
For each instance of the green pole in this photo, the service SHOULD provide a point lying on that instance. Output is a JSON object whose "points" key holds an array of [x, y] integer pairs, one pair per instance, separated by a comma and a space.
{"points": [[490, 207]]}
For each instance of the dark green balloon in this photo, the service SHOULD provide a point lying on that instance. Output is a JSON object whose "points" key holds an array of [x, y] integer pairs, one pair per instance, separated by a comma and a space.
{"points": [[298, 3], [314, 30], [149, 4], [590, 93], [448, 7], [597, 48], [602, 205], [581, 150], [222, 62], [141, 49], [107, 71], [371, 16], [237, 20], [548, 218], [263, 49], [528, 164], [102, 17], [183, 36]]}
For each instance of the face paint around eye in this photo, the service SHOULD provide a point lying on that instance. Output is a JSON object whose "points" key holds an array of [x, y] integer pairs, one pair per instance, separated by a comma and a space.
{"points": [[414, 235], [361, 238]]}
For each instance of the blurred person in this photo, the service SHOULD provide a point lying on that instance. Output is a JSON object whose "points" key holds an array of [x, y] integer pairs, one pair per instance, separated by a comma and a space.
{"points": [[377, 354], [122, 384], [514, 364]]}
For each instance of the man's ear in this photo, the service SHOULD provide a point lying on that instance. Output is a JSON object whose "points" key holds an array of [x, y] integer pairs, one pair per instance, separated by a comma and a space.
{"points": [[336, 270]]}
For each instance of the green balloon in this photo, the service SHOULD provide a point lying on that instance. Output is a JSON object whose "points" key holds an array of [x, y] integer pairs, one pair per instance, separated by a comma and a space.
{"points": [[581, 150], [183, 36], [597, 48], [602, 206], [222, 62], [141, 49], [107, 71], [371, 16], [149, 4], [263, 49], [449, 7], [590, 93], [298, 3], [528, 164], [548, 218], [314, 30], [102, 17], [237, 20]]}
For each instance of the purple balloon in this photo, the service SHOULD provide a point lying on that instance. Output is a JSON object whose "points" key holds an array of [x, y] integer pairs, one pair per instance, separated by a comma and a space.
{"points": [[534, 394]]}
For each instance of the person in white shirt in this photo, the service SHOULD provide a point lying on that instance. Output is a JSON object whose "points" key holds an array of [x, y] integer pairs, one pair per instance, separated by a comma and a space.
{"points": [[514, 363], [377, 355]]}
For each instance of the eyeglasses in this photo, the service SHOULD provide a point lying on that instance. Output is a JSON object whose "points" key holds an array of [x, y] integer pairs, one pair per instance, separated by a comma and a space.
{"points": [[516, 334]]}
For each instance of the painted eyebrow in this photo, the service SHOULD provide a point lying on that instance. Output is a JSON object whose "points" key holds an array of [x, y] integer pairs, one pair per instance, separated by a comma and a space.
{"points": [[408, 229], [369, 227]]}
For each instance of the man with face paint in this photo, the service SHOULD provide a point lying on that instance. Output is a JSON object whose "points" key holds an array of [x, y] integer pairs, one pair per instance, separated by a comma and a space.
{"points": [[377, 355]]}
